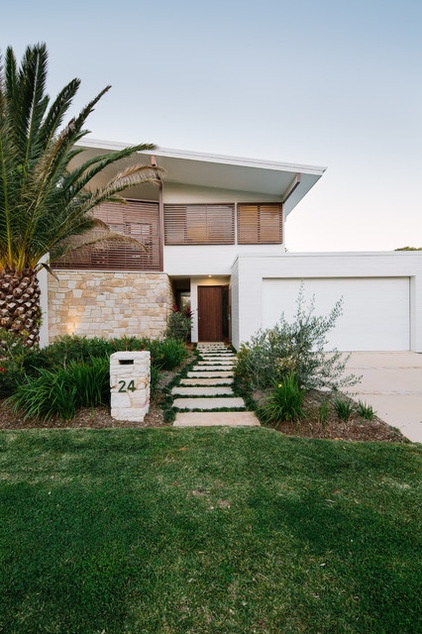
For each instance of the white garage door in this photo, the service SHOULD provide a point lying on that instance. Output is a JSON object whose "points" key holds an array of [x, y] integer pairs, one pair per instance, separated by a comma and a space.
{"points": [[375, 310]]}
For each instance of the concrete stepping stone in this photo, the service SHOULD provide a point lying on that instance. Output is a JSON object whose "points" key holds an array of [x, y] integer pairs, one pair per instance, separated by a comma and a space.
{"points": [[209, 403], [217, 354], [202, 391], [216, 360], [217, 381], [227, 364], [208, 368], [215, 419], [209, 375]]}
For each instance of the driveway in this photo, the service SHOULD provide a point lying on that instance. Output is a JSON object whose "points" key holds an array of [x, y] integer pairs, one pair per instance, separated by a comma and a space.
{"points": [[392, 384]]}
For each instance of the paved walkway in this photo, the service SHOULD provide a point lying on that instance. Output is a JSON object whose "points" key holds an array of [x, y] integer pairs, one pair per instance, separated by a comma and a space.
{"points": [[392, 384], [208, 387]]}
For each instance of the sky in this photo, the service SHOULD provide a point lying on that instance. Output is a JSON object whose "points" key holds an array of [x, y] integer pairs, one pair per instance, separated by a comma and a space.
{"points": [[333, 83]]}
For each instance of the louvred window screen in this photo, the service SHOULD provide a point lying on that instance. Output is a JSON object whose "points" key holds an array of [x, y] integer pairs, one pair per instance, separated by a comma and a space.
{"points": [[137, 219], [260, 223], [199, 224]]}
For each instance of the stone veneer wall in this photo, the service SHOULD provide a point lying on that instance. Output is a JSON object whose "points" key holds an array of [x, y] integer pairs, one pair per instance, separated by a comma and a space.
{"points": [[108, 304]]}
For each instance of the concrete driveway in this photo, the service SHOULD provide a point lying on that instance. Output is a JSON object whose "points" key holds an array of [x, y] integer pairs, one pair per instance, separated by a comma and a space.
{"points": [[392, 384]]}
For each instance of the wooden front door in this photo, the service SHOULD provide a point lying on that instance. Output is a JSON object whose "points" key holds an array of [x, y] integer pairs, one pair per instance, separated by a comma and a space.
{"points": [[212, 313]]}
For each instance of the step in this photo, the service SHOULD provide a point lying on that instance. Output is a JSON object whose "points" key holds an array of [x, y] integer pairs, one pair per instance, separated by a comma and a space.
{"points": [[209, 403], [209, 375], [216, 362], [224, 355], [218, 381], [209, 368], [214, 419], [202, 391]]}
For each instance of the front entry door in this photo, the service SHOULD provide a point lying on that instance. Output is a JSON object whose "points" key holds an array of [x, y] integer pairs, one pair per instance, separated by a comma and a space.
{"points": [[212, 313]]}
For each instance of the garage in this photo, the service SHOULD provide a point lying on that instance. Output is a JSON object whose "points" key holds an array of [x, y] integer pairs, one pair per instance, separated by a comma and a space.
{"points": [[376, 314]]}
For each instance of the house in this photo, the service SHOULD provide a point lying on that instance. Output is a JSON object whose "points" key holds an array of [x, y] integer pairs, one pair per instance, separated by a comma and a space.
{"points": [[214, 235]]}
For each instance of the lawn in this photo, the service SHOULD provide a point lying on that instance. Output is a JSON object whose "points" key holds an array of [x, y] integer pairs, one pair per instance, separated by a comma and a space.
{"points": [[207, 531]]}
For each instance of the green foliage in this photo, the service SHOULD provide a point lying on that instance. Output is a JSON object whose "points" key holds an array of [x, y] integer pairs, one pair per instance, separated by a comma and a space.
{"points": [[74, 372], [91, 380], [323, 412], [284, 402], [13, 355], [165, 354], [343, 407], [297, 348], [179, 324], [365, 411], [51, 393]]}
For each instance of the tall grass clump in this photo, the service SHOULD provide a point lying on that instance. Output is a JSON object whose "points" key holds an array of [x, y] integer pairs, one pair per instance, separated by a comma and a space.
{"points": [[285, 402], [51, 393]]}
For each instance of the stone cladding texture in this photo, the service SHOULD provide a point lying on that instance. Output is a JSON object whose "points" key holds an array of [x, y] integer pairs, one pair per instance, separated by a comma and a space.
{"points": [[108, 304]]}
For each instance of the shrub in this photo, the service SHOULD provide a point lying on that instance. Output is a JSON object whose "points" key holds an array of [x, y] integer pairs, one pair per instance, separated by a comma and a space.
{"points": [[91, 380], [179, 324], [296, 348], [75, 372], [284, 403], [166, 354], [323, 412], [13, 354], [343, 408], [365, 411], [49, 394]]}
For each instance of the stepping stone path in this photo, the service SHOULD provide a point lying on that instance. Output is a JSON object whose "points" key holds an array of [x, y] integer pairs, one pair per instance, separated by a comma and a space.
{"points": [[208, 387]]}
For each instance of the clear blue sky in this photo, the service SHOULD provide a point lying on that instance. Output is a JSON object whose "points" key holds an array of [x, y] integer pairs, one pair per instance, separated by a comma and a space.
{"points": [[336, 83]]}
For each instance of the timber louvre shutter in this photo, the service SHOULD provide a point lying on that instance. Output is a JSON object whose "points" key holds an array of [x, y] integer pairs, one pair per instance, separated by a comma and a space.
{"points": [[260, 223], [137, 219], [199, 224]]}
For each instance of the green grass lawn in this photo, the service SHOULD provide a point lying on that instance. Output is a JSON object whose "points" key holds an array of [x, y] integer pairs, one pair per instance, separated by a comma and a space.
{"points": [[207, 530]]}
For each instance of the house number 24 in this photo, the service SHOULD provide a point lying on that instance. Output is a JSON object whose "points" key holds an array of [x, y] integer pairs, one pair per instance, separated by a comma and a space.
{"points": [[127, 387]]}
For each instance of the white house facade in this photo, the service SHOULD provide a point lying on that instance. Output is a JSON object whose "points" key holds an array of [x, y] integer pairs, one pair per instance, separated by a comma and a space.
{"points": [[214, 234]]}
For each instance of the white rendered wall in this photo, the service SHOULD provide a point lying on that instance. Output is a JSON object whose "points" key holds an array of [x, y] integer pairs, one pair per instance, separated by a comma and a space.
{"points": [[403, 269], [42, 276]]}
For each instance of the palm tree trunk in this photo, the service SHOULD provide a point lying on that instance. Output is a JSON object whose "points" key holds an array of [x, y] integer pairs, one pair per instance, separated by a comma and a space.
{"points": [[20, 310]]}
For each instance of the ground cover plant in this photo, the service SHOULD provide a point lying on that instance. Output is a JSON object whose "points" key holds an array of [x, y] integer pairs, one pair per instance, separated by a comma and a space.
{"points": [[207, 531]]}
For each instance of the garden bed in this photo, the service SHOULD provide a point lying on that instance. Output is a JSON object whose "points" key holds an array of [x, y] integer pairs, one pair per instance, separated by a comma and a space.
{"points": [[99, 418]]}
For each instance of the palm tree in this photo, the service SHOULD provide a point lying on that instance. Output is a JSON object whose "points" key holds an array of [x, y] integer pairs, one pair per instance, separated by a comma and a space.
{"points": [[45, 200]]}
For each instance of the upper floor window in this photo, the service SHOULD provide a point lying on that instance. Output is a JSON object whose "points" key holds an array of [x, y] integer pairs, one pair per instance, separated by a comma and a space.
{"points": [[260, 223], [137, 219], [199, 224]]}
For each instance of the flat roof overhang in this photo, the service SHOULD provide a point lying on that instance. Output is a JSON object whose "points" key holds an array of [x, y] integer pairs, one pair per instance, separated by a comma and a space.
{"points": [[286, 182]]}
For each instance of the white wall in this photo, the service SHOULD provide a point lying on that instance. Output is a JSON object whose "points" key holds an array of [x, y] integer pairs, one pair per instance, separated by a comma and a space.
{"points": [[253, 271], [211, 259]]}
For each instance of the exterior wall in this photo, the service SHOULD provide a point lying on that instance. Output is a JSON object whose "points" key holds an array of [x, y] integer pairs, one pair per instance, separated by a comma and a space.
{"points": [[234, 294], [108, 304], [211, 259], [253, 271], [177, 193]]}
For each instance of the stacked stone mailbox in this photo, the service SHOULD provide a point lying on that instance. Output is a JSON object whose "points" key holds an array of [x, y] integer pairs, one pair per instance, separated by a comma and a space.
{"points": [[130, 385]]}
